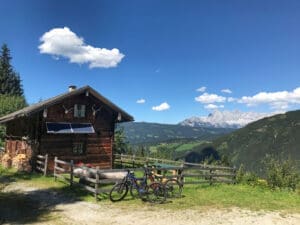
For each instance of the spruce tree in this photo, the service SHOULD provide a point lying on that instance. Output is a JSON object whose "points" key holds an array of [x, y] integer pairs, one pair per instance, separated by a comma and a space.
{"points": [[10, 82], [11, 90]]}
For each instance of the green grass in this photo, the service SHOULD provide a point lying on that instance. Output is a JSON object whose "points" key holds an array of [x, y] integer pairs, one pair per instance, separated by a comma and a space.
{"points": [[194, 196], [225, 196]]}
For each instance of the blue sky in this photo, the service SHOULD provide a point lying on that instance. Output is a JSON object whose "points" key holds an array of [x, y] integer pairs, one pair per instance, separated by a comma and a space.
{"points": [[164, 51]]}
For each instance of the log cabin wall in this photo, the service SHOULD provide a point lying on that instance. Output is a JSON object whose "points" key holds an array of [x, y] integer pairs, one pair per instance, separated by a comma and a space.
{"points": [[97, 146]]}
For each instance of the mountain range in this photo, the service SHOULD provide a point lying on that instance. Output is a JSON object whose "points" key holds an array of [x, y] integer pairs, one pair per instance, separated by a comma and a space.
{"points": [[278, 135], [224, 119], [141, 132]]}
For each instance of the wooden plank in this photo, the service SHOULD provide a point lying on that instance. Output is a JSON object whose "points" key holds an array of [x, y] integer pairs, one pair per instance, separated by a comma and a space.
{"points": [[196, 175], [88, 188], [97, 184], [222, 175], [46, 165], [196, 182], [109, 181], [40, 157], [62, 162], [92, 180], [40, 162], [60, 169], [40, 168], [208, 166]]}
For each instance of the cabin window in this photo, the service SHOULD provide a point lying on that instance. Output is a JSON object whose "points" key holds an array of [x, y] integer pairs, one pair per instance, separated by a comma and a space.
{"points": [[78, 148], [79, 111]]}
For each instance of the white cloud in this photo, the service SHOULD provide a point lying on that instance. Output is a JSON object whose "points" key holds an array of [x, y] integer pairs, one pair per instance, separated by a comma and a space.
{"points": [[277, 100], [201, 89], [213, 106], [141, 101], [228, 91], [231, 99], [210, 98], [62, 42], [163, 106]]}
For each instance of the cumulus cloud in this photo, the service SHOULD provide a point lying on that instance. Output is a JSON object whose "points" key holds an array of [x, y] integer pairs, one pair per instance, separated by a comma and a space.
{"points": [[207, 98], [228, 91], [213, 106], [62, 42], [277, 100], [201, 89], [231, 99], [163, 106], [141, 101]]}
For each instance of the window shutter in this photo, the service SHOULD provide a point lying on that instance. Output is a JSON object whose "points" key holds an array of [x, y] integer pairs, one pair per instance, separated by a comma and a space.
{"points": [[82, 111], [75, 110]]}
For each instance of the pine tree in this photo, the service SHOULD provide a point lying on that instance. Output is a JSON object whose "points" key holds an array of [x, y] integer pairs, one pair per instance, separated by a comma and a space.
{"points": [[11, 90], [10, 82]]}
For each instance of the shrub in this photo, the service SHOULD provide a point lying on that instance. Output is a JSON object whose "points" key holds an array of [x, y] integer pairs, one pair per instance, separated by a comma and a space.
{"points": [[281, 173], [244, 177], [240, 174]]}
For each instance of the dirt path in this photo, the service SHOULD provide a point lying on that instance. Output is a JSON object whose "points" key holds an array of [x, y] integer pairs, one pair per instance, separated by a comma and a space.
{"points": [[66, 211]]}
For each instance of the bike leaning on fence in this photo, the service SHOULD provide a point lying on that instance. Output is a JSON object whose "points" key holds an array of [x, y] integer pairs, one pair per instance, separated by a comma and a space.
{"points": [[154, 192]]}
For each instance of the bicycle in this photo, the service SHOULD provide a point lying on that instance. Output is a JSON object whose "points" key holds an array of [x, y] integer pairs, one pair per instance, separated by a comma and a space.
{"points": [[173, 186], [154, 192]]}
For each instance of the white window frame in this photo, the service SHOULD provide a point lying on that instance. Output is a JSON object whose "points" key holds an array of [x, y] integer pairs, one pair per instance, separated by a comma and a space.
{"points": [[79, 111]]}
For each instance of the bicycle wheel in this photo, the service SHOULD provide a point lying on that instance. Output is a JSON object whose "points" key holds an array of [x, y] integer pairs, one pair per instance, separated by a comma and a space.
{"points": [[173, 188], [118, 192], [156, 193], [133, 192]]}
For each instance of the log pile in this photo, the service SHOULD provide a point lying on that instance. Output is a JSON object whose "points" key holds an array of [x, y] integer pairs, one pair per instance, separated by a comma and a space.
{"points": [[21, 163], [6, 161]]}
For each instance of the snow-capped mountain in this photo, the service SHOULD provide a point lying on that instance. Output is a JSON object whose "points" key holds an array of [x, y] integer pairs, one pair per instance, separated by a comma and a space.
{"points": [[224, 119]]}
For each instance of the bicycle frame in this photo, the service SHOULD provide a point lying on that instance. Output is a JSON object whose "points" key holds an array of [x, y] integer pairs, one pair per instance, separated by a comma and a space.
{"points": [[131, 180]]}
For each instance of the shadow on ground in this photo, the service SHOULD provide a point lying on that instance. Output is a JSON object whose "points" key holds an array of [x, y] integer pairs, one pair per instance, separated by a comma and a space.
{"points": [[20, 205]]}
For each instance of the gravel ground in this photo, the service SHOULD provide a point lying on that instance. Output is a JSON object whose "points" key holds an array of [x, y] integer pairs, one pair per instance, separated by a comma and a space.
{"points": [[66, 211]]}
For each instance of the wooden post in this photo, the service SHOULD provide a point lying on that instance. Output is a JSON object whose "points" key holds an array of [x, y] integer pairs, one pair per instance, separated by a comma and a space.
{"points": [[234, 177], [146, 161], [55, 165], [71, 172], [210, 177], [97, 183], [133, 161], [46, 165], [122, 160]]}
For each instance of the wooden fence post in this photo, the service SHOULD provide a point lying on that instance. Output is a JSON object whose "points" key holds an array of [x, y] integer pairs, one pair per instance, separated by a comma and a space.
{"points": [[210, 177], [54, 170], [146, 161], [97, 183], [71, 172], [46, 165], [121, 160], [133, 159], [234, 177]]}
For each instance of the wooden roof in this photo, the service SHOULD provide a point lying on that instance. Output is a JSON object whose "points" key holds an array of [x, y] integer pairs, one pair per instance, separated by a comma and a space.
{"points": [[32, 109]]}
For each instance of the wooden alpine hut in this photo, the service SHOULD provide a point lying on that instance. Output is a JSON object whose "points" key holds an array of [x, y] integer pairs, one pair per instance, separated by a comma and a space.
{"points": [[77, 125]]}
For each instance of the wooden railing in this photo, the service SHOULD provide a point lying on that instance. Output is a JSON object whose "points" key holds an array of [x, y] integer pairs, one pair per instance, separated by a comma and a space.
{"points": [[192, 173], [133, 161], [42, 163], [92, 180], [63, 170]]}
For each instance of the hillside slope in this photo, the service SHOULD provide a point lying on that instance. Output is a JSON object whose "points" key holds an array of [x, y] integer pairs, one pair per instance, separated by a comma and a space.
{"points": [[278, 135], [140, 132]]}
